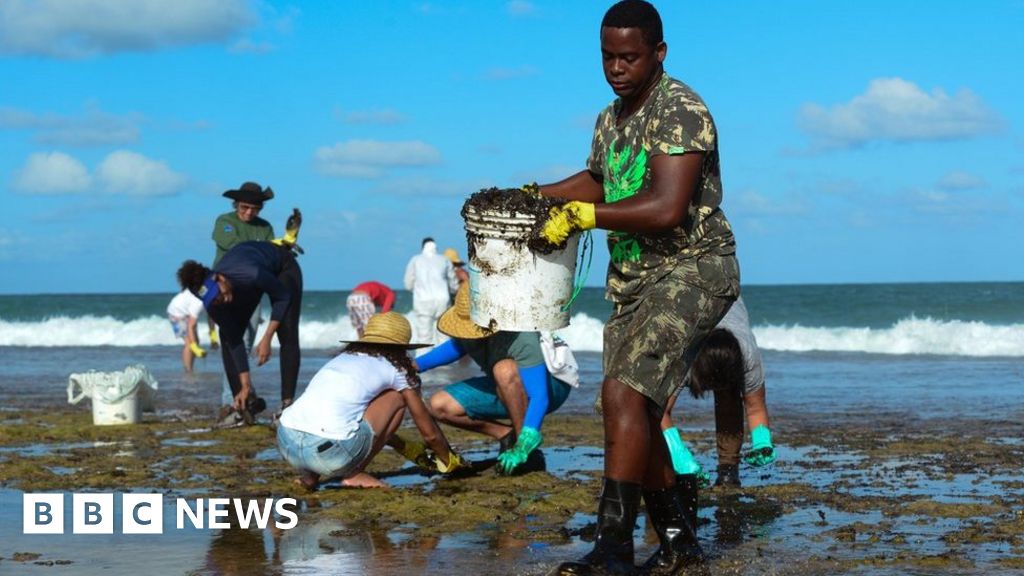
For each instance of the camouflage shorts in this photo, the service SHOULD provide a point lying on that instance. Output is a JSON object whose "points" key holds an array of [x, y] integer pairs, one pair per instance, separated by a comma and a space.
{"points": [[650, 342]]}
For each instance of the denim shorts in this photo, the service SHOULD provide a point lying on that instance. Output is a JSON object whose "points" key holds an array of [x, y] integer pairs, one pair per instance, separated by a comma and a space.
{"points": [[479, 397], [326, 457]]}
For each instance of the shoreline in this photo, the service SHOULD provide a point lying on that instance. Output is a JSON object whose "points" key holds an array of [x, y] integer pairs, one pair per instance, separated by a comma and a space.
{"points": [[849, 492]]}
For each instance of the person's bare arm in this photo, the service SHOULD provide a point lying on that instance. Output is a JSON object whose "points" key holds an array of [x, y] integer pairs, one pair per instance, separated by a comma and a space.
{"points": [[674, 180], [584, 186], [425, 423], [756, 408]]}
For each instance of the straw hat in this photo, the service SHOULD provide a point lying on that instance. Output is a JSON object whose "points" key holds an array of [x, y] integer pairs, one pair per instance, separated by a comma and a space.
{"points": [[389, 328], [455, 322], [452, 255]]}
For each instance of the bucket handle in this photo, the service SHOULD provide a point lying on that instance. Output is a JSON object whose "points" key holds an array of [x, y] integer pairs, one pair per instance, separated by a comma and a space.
{"points": [[588, 253], [76, 398]]}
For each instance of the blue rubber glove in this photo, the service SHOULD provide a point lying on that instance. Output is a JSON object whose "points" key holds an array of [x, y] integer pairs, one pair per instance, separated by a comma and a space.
{"points": [[444, 353], [762, 452], [528, 441]]}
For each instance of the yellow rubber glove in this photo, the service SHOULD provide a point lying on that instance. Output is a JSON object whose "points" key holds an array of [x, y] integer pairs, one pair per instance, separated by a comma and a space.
{"points": [[197, 350], [413, 450], [291, 230], [214, 339], [565, 220], [533, 189], [454, 463]]}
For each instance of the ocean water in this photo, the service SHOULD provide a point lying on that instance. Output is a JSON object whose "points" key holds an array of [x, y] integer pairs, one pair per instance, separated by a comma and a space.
{"points": [[853, 345]]}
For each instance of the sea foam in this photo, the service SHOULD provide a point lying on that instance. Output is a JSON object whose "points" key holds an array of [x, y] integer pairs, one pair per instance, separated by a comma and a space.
{"points": [[908, 336]]}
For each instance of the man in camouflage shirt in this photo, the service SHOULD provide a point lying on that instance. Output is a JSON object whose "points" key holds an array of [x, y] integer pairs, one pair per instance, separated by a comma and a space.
{"points": [[652, 180]]}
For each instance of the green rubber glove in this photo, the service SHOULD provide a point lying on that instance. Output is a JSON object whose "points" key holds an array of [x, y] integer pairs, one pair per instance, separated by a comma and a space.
{"points": [[683, 461], [762, 452], [413, 450], [528, 441]]}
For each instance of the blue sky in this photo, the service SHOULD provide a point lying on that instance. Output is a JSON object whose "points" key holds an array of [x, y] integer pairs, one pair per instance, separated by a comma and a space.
{"points": [[860, 142]]}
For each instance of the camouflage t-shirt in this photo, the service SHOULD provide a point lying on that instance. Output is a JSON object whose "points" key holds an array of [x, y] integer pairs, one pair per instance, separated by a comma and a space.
{"points": [[673, 120]]}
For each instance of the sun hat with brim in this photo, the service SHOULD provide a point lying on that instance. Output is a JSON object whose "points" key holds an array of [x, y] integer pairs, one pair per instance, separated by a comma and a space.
{"points": [[388, 328], [453, 256], [250, 193], [455, 322]]}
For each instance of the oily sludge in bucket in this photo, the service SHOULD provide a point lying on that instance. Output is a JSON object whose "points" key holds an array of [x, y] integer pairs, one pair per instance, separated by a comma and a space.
{"points": [[117, 397], [514, 286]]}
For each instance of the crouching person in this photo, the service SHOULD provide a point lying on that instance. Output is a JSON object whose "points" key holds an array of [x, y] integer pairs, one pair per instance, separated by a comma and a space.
{"points": [[354, 405]]}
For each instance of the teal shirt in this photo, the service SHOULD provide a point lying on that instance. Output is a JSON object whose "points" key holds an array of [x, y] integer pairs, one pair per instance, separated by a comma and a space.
{"points": [[229, 231], [523, 347]]}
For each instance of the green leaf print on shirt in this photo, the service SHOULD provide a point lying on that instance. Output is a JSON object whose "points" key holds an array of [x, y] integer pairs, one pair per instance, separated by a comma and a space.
{"points": [[624, 181]]}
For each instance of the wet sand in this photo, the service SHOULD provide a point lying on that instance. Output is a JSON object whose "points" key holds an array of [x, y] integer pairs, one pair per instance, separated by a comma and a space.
{"points": [[854, 493]]}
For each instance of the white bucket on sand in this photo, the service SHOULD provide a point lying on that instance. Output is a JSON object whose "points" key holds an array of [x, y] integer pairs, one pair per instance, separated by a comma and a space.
{"points": [[117, 397], [511, 287]]}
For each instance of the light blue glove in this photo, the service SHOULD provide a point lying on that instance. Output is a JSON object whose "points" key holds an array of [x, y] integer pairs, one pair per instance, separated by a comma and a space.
{"points": [[528, 441], [762, 452], [682, 459]]}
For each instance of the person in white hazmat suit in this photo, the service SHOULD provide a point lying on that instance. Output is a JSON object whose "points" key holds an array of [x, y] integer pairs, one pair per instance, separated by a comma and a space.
{"points": [[431, 278]]}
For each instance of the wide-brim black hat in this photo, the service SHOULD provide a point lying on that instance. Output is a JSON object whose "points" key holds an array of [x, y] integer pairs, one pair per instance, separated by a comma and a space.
{"points": [[251, 193]]}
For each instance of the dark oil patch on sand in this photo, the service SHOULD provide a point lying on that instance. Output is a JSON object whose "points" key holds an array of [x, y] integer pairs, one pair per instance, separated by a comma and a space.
{"points": [[897, 496]]}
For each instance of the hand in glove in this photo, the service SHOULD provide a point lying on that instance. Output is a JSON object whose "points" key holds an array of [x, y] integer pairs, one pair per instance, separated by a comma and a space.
{"points": [[565, 220], [413, 450], [528, 441], [197, 350], [683, 461], [454, 464], [532, 189], [291, 232], [214, 339], [762, 452]]}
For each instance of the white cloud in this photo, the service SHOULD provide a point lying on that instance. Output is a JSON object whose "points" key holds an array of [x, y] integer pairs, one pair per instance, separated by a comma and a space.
{"points": [[520, 8], [751, 203], [370, 158], [131, 173], [83, 28], [422, 187], [51, 173], [375, 116], [510, 73], [247, 46], [897, 110], [960, 180], [94, 128]]}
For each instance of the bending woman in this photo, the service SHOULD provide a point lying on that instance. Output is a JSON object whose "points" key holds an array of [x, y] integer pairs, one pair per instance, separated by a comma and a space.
{"points": [[353, 406]]}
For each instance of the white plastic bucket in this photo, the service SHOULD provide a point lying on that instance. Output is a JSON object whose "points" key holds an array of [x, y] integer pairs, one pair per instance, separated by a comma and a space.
{"points": [[117, 397], [511, 287]]}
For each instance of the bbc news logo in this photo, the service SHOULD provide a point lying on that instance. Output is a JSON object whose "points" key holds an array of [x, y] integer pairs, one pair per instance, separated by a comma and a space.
{"points": [[144, 513]]}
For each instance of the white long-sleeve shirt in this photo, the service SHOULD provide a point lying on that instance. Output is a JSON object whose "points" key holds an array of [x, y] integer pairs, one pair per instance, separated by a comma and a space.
{"points": [[430, 276]]}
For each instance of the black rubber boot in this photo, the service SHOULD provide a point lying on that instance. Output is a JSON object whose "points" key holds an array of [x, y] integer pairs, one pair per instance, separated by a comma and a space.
{"points": [[613, 543], [728, 476], [688, 487], [678, 535]]}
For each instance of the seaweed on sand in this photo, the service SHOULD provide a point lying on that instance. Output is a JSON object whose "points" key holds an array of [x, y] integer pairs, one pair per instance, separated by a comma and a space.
{"points": [[514, 202]]}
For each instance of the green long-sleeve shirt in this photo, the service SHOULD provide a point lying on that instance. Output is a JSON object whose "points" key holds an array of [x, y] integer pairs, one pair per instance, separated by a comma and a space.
{"points": [[230, 231]]}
